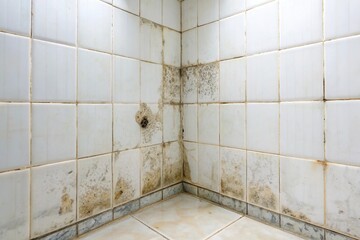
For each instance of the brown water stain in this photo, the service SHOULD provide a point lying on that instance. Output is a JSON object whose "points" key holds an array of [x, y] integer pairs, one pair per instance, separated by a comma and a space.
{"points": [[94, 200], [151, 168], [124, 191], [232, 186], [263, 196], [297, 215], [171, 84], [66, 205]]}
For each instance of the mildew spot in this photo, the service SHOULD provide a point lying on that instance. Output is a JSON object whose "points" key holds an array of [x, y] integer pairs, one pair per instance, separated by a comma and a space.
{"points": [[189, 78], [263, 196], [94, 200], [66, 205], [297, 215], [124, 191], [232, 186], [149, 122], [171, 84], [151, 172], [209, 76], [172, 168]]}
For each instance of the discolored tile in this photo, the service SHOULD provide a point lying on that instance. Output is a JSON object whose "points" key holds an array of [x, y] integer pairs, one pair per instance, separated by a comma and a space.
{"points": [[151, 158], [172, 165]]}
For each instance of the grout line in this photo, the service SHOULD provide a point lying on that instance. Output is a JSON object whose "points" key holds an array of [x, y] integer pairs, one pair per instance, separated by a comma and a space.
{"points": [[148, 226], [224, 228]]}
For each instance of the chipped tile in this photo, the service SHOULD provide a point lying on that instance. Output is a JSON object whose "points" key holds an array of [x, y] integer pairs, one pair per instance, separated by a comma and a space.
{"points": [[151, 168], [172, 166]]}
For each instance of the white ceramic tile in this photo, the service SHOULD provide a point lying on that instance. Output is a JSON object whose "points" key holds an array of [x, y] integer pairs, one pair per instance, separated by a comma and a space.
{"points": [[233, 172], [54, 20], [172, 165], [231, 7], [15, 16], [255, 3], [301, 73], [126, 86], [126, 34], [208, 11], [341, 69], [232, 37], [94, 129], [14, 68], [262, 28], [300, 22], [190, 122], [171, 85], [53, 133], [152, 133], [208, 123], [189, 14], [152, 10], [232, 125], [171, 123], [171, 14], [151, 161], [189, 53], [342, 195], [263, 127], [209, 167], [262, 80], [302, 189], [302, 130], [342, 131], [53, 195], [151, 82], [94, 76], [208, 42], [151, 41], [342, 18], [191, 162], [232, 80], [263, 180], [172, 48], [94, 186], [53, 72], [128, 5], [14, 135], [126, 176], [126, 131], [14, 205], [95, 25], [208, 83], [189, 84]]}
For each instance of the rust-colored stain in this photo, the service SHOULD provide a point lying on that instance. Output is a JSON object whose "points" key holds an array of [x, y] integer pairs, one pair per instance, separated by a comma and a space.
{"points": [[94, 200], [297, 215]]}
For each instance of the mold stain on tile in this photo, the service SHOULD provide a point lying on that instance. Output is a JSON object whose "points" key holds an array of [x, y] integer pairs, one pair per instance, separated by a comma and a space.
{"points": [[263, 196], [124, 191], [151, 169], [232, 186], [294, 214], [66, 205], [171, 84], [189, 78], [94, 200], [209, 76], [149, 122], [172, 168]]}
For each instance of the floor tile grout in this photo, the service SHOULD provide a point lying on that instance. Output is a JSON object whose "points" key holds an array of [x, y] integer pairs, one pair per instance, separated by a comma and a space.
{"points": [[223, 228], [152, 229]]}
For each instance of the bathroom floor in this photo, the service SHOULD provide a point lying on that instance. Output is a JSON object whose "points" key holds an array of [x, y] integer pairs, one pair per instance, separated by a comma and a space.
{"points": [[187, 217]]}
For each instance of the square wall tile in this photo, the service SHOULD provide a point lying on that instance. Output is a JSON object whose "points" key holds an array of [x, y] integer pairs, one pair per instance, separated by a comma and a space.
{"points": [[14, 205], [209, 167], [94, 76], [53, 133], [262, 28], [190, 116], [300, 22], [262, 127], [132, 6], [233, 172], [171, 123], [342, 18], [55, 20], [152, 10], [171, 84], [126, 133], [15, 16], [126, 176], [126, 85], [189, 14], [151, 82], [189, 47], [342, 70], [342, 195], [53, 72], [263, 180], [172, 165], [208, 82], [172, 48], [151, 41], [208, 123], [95, 25], [208, 11], [14, 135], [94, 129], [190, 162], [208, 41], [126, 34], [232, 80], [53, 197], [302, 73], [302, 130], [231, 7], [262, 77], [232, 125], [189, 84], [302, 189], [171, 14], [151, 160], [255, 3], [14, 68], [232, 37], [342, 132], [94, 186], [151, 116]]}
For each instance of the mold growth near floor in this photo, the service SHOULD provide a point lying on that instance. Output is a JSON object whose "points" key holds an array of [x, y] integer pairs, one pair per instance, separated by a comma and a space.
{"points": [[151, 168]]}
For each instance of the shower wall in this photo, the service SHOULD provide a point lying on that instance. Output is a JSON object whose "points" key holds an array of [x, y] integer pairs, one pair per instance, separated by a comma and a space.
{"points": [[89, 108], [271, 106]]}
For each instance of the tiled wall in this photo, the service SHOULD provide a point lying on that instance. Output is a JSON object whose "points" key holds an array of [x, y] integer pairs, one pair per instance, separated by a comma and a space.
{"points": [[75, 78], [271, 103]]}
